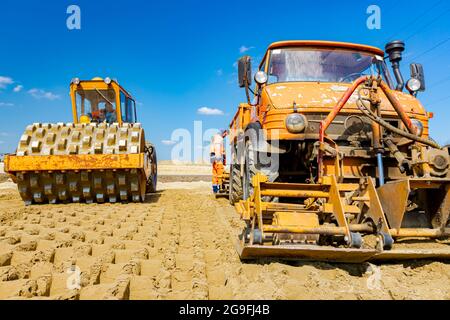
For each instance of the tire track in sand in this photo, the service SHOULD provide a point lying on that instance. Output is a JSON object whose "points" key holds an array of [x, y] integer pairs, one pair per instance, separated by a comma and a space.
{"points": [[177, 245]]}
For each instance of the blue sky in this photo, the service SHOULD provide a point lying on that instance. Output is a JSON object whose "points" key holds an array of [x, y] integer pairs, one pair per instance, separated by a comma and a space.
{"points": [[178, 56]]}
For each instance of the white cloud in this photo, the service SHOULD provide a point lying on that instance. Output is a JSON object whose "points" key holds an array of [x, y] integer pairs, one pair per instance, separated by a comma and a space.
{"points": [[41, 94], [244, 49], [2, 142], [6, 104], [168, 142], [210, 111], [18, 88], [219, 72], [4, 134], [5, 81]]}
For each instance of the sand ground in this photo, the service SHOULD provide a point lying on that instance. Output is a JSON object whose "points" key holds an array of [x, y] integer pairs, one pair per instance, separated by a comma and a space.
{"points": [[177, 245]]}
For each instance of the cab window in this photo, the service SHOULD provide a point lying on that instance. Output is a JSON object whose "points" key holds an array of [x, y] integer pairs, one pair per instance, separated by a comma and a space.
{"points": [[127, 106], [131, 111], [135, 112], [97, 105], [298, 64], [123, 107]]}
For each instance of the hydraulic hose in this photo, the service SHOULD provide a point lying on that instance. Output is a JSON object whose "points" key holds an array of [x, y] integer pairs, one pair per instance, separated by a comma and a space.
{"points": [[372, 116]]}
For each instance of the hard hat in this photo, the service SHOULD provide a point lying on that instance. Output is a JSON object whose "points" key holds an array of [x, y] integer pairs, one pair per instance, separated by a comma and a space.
{"points": [[85, 119]]}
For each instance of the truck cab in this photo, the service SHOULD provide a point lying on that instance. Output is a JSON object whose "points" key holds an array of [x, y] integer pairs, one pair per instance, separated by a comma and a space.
{"points": [[298, 83], [309, 77]]}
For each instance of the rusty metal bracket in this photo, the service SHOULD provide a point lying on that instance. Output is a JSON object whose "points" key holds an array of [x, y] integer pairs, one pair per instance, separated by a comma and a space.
{"points": [[376, 212], [394, 200], [339, 211]]}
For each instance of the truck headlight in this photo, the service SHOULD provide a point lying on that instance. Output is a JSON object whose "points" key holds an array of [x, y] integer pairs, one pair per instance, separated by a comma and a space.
{"points": [[76, 81], [296, 123], [418, 125], [413, 85], [260, 77]]}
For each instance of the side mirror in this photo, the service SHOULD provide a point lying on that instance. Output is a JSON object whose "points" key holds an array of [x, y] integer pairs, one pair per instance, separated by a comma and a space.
{"points": [[245, 71], [418, 73]]}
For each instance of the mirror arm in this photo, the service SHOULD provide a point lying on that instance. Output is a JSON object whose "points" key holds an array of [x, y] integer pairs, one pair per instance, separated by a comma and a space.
{"points": [[247, 92]]}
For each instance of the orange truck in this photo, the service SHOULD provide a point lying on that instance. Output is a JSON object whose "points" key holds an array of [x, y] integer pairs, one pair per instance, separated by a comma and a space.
{"points": [[328, 152]]}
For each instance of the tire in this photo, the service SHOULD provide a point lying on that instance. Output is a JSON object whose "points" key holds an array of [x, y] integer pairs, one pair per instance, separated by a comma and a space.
{"points": [[153, 177], [250, 170], [448, 148], [235, 190], [253, 166]]}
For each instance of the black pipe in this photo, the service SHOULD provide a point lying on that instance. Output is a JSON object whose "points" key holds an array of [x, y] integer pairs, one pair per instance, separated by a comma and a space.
{"points": [[398, 76], [394, 49]]}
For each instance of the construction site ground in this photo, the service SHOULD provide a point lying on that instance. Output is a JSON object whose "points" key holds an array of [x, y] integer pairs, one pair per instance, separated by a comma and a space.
{"points": [[179, 244]]}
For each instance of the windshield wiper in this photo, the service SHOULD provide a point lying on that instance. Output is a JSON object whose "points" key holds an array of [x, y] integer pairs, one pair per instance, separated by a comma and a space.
{"points": [[106, 99]]}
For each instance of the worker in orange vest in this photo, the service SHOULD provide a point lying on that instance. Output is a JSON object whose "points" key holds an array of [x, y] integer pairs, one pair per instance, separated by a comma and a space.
{"points": [[218, 158]]}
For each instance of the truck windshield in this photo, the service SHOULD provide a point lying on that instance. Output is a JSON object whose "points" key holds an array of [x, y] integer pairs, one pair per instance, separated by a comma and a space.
{"points": [[98, 105], [323, 65]]}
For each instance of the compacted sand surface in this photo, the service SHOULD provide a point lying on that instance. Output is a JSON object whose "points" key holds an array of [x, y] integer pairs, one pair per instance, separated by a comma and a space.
{"points": [[180, 244]]}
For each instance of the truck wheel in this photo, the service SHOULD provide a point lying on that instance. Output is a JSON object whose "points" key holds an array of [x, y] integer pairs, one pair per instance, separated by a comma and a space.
{"points": [[253, 166], [235, 192], [153, 177], [250, 170]]}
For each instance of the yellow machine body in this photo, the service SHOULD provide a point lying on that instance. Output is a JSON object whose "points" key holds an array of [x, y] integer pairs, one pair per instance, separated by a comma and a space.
{"points": [[101, 156]]}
